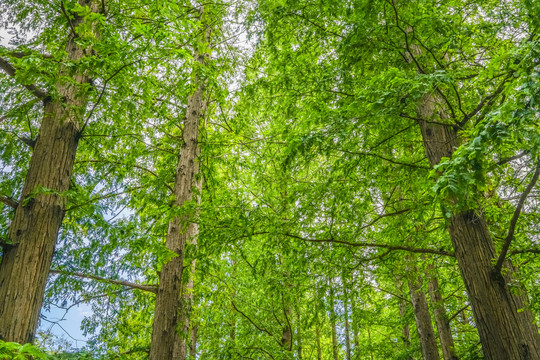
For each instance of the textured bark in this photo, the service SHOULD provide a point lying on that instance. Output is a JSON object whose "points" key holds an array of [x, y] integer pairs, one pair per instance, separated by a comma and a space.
{"points": [[424, 327], [286, 335], [193, 344], [441, 320], [169, 335], [505, 325], [183, 343], [38, 217]]}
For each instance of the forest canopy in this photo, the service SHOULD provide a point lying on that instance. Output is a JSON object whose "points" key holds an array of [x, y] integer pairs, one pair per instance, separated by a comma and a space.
{"points": [[270, 179]]}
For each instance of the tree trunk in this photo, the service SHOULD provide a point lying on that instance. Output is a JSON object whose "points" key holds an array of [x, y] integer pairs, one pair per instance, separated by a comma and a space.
{"points": [[424, 327], [441, 320], [318, 336], [38, 217], [193, 344], [335, 344], [505, 325], [406, 329], [346, 311], [299, 333], [169, 336]]}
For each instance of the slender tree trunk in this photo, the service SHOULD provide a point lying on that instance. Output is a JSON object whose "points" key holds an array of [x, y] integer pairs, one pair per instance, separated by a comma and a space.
{"points": [[193, 344], [424, 326], [406, 329], [335, 344], [347, 329], [505, 325], [441, 320], [169, 336], [318, 336], [183, 343], [38, 217], [299, 333]]}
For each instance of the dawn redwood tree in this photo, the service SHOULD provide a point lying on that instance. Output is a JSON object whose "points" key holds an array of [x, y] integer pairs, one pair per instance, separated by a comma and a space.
{"points": [[28, 249], [169, 337]]}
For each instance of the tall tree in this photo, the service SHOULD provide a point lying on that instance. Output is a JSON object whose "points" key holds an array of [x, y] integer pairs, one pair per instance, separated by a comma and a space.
{"points": [[168, 339], [28, 249]]}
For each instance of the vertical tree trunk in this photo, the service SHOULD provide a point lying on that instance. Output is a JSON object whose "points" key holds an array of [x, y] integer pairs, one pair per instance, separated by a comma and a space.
{"points": [[183, 343], [335, 344], [424, 326], [406, 329], [38, 217], [505, 325], [193, 344], [169, 336], [441, 320], [318, 336], [299, 333], [346, 310]]}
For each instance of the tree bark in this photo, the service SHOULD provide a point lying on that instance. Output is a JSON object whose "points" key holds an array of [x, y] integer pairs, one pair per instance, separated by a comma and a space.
{"points": [[346, 311], [169, 335], [424, 327], [193, 345], [406, 329], [335, 344], [38, 217], [505, 325], [318, 336], [441, 320]]}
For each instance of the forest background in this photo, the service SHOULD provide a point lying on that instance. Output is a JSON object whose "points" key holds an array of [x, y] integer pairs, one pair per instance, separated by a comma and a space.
{"points": [[270, 179]]}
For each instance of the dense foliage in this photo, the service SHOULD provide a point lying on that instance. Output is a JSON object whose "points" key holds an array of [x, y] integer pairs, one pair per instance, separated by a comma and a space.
{"points": [[321, 217]]}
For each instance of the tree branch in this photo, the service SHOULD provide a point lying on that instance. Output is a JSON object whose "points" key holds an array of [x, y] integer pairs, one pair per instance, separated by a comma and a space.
{"points": [[149, 288], [11, 71], [251, 321], [9, 201], [515, 218], [373, 245]]}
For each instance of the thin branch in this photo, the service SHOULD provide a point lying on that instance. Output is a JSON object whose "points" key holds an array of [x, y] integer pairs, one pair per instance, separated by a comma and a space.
{"points": [[149, 288], [373, 245], [512, 158], [9, 201], [457, 313], [485, 100], [515, 218], [413, 165], [11, 71], [251, 321]]}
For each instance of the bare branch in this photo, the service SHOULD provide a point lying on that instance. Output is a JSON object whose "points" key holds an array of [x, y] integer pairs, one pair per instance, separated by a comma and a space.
{"points": [[373, 245], [149, 288], [515, 218]]}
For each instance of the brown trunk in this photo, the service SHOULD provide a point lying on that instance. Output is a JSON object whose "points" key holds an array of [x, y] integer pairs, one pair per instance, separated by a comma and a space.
{"points": [[441, 320], [193, 344], [346, 311], [318, 335], [286, 335], [406, 329], [505, 325], [335, 344], [38, 217], [299, 337], [424, 327], [183, 343], [169, 333]]}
